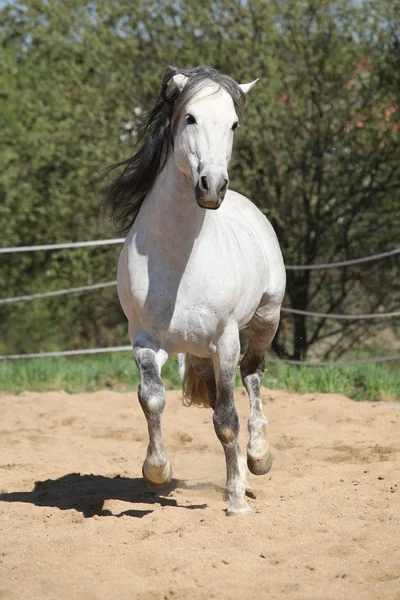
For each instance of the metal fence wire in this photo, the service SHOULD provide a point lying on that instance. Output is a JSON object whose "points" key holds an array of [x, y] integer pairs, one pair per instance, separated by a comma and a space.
{"points": [[285, 309]]}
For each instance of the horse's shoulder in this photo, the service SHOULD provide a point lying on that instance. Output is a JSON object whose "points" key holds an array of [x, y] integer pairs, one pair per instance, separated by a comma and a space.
{"points": [[248, 216], [246, 210]]}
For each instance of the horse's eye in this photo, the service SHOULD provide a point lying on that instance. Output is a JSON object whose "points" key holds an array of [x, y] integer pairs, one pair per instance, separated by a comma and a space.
{"points": [[235, 126], [190, 120]]}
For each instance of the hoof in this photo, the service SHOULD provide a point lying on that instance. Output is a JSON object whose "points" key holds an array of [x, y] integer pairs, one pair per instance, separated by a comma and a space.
{"points": [[157, 476], [239, 508], [259, 465]]}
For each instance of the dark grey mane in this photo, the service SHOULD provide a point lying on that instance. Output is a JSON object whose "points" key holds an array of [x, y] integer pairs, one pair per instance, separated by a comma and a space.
{"points": [[126, 193]]}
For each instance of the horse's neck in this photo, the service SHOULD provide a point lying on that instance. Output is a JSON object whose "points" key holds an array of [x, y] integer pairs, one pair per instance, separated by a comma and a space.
{"points": [[173, 217]]}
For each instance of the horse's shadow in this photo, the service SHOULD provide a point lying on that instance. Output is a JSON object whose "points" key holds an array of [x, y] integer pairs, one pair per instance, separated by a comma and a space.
{"points": [[87, 494]]}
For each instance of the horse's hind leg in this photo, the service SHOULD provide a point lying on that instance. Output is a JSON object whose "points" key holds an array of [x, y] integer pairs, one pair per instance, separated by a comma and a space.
{"points": [[151, 392], [252, 367], [205, 368], [226, 421]]}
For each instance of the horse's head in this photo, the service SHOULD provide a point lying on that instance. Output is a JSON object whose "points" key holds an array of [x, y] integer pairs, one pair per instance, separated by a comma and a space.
{"points": [[194, 120], [203, 127]]}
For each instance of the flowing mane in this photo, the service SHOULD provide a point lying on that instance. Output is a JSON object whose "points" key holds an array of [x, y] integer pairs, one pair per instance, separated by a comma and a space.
{"points": [[127, 192]]}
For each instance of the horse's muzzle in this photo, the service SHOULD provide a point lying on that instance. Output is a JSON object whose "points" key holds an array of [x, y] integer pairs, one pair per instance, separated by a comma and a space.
{"points": [[209, 203], [210, 190]]}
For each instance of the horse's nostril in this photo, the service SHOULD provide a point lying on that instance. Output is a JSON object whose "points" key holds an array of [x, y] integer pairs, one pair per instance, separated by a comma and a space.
{"points": [[223, 187], [204, 183]]}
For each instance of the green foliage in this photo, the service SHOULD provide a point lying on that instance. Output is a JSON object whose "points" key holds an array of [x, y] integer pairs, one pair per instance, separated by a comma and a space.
{"points": [[360, 382], [118, 372], [318, 151]]}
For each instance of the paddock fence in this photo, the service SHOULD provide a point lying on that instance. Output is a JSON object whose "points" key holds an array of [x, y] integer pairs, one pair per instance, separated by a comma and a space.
{"points": [[284, 309]]}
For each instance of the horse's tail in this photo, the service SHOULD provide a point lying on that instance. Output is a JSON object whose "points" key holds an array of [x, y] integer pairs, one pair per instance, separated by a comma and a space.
{"points": [[193, 386]]}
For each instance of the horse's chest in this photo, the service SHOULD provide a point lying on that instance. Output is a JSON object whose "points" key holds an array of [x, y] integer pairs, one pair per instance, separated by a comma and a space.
{"points": [[191, 301], [166, 291]]}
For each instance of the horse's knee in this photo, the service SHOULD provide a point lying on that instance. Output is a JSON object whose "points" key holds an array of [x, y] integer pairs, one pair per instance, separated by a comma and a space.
{"points": [[151, 395], [226, 425], [151, 391]]}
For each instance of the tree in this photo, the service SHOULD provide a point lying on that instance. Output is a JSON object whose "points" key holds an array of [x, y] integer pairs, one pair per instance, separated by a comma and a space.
{"points": [[325, 162], [318, 150]]}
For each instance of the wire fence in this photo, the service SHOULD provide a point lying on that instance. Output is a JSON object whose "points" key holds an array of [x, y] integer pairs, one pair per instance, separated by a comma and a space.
{"points": [[345, 317], [360, 361], [344, 263], [82, 288], [62, 246], [285, 309], [66, 353], [113, 241]]}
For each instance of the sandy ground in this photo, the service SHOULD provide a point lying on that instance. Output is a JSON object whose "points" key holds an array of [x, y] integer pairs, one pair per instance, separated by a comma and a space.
{"points": [[78, 522]]}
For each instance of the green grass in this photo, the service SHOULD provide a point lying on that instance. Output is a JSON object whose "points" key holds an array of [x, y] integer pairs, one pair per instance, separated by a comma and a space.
{"points": [[360, 382], [118, 371]]}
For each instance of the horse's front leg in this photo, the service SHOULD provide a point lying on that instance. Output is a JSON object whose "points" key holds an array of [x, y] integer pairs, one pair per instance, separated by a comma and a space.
{"points": [[151, 392], [226, 420], [205, 368]]}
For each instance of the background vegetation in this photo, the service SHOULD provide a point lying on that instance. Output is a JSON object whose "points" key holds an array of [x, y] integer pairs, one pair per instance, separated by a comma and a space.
{"points": [[318, 151], [118, 371]]}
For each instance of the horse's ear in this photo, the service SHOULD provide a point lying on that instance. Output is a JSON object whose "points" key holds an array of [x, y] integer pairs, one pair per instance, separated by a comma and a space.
{"points": [[246, 87], [180, 81]]}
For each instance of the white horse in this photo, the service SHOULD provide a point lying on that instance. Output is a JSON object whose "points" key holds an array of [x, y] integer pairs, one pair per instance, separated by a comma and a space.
{"points": [[191, 276]]}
